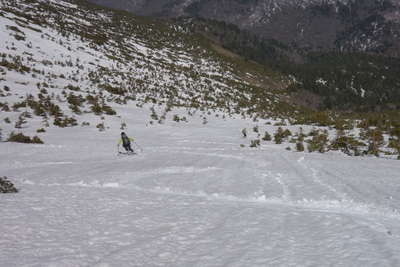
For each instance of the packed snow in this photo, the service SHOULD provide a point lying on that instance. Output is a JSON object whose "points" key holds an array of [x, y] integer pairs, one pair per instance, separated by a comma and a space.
{"points": [[191, 196]]}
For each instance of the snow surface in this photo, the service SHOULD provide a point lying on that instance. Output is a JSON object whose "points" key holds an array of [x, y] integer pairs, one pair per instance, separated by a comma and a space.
{"points": [[193, 197]]}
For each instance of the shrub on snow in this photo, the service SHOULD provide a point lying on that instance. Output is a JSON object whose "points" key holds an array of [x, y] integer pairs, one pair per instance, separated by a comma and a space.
{"points": [[21, 138], [6, 186]]}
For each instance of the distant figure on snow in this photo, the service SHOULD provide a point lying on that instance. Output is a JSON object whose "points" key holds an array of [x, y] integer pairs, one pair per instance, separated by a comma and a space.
{"points": [[126, 142]]}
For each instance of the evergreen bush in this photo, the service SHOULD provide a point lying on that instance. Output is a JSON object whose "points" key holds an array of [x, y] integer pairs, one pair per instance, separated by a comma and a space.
{"points": [[267, 136], [300, 146], [255, 143], [279, 136], [6, 186], [21, 138], [318, 143]]}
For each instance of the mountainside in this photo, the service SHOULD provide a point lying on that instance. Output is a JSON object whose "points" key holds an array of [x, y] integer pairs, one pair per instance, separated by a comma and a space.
{"points": [[343, 55], [63, 59], [346, 81], [227, 170], [357, 25]]}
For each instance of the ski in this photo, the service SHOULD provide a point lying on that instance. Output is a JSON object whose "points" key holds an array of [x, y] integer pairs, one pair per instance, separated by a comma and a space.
{"points": [[127, 153]]}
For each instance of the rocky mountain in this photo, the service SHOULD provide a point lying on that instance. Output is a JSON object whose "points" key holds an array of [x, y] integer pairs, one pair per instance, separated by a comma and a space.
{"points": [[317, 25]]}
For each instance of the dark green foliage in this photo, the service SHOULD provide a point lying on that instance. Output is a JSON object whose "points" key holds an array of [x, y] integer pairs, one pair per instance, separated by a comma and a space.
{"points": [[96, 108], [375, 141], [54, 110], [395, 131], [268, 52], [153, 114], [101, 127], [65, 122], [6, 186], [38, 108], [97, 38], [37, 140], [108, 110], [343, 80], [98, 105], [286, 133], [16, 65], [176, 118], [351, 81], [21, 121], [394, 143], [279, 136], [266, 137], [72, 88], [19, 37], [300, 146], [319, 142], [4, 107], [15, 29], [18, 105], [255, 143], [347, 144], [319, 118], [75, 102], [300, 135], [113, 90], [21, 138]]}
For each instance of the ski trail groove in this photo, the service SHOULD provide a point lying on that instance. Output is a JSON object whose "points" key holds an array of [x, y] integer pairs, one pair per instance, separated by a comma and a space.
{"points": [[314, 174], [285, 189]]}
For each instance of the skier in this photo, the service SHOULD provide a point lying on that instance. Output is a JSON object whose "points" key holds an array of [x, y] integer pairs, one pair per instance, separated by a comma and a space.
{"points": [[126, 142]]}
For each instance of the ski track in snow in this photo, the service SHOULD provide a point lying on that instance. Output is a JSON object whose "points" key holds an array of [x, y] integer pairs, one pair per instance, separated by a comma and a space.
{"points": [[314, 174], [202, 201], [285, 188], [340, 205]]}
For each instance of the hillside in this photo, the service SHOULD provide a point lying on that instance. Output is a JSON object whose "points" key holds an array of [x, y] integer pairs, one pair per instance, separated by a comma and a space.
{"points": [[64, 59], [352, 46], [350, 81], [227, 169], [313, 25]]}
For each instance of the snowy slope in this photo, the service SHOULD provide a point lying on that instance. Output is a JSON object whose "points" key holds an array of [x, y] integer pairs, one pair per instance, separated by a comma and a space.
{"points": [[66, 48], [193, 197]]}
